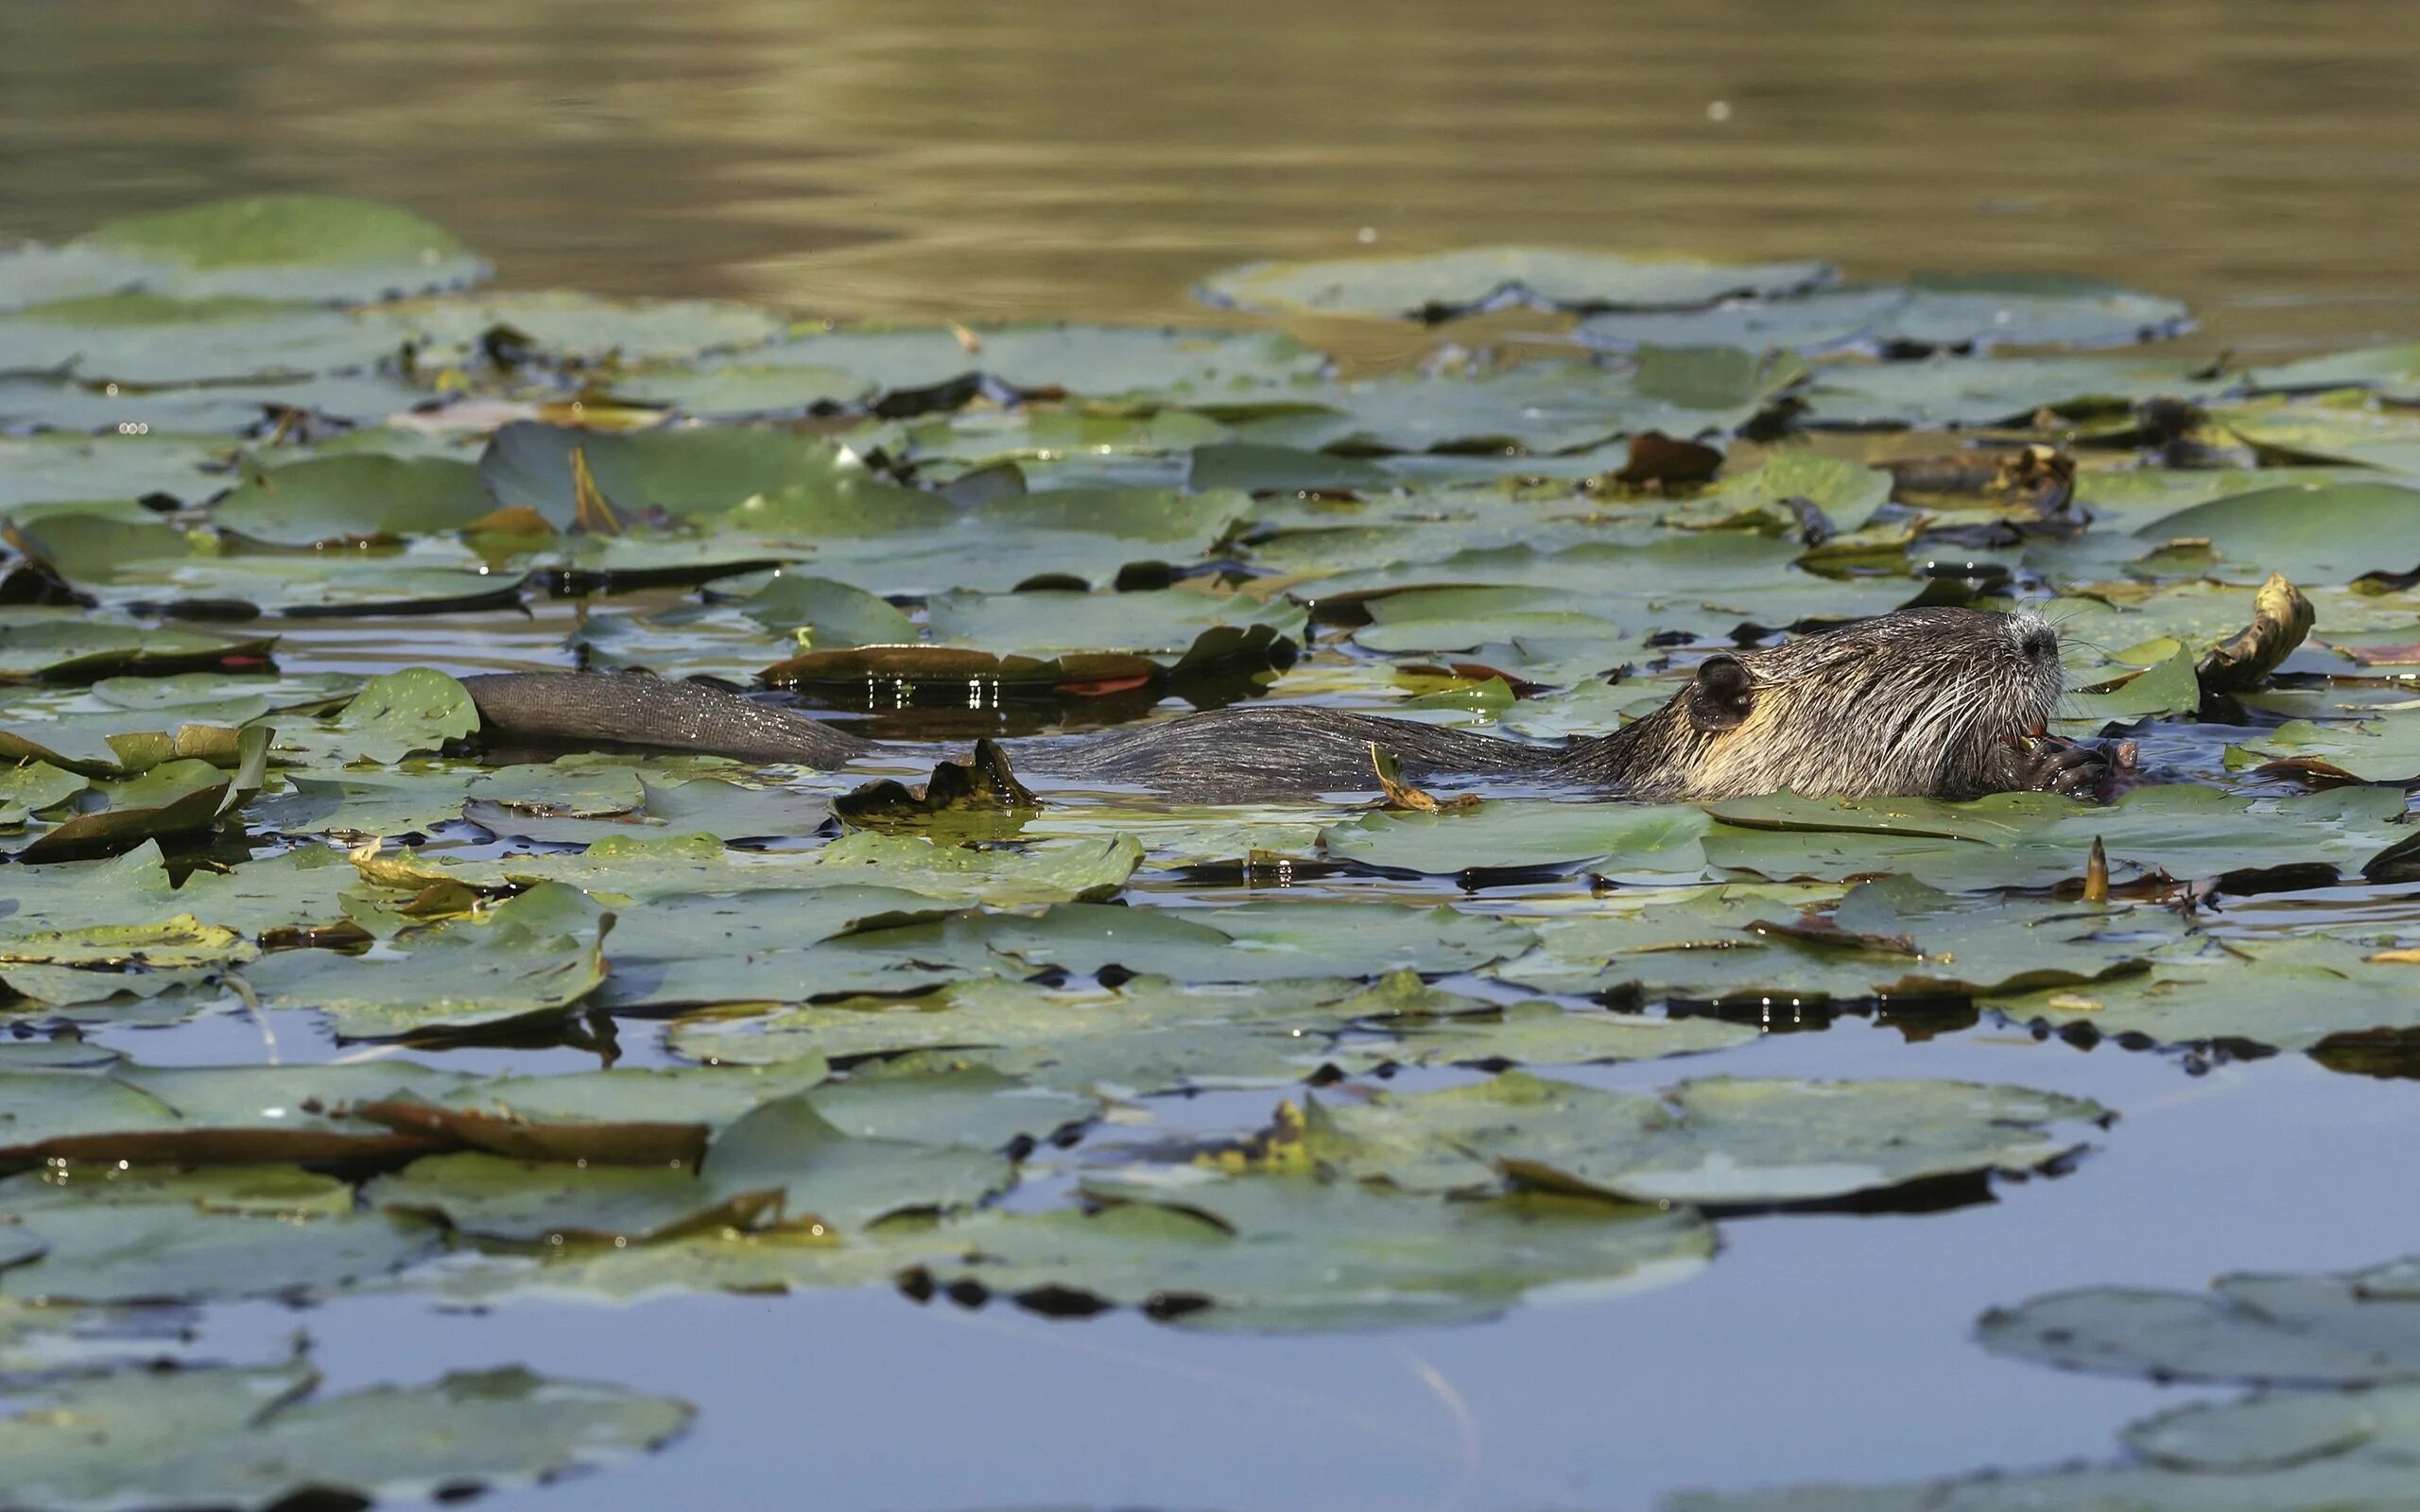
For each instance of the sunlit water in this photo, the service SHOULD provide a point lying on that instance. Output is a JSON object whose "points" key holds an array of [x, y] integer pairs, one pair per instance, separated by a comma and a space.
{"points": [[923, 158]]}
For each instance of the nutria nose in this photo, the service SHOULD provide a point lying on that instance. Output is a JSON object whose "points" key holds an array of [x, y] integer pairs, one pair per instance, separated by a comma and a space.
{"points": [[2040, 641]]}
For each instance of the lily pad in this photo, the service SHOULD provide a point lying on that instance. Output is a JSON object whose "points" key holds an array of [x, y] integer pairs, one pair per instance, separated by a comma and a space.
{"points": [[1442, 286], [146, 1235], [1929, 312], [338, 499], [2327, 534], [258, 1438], [1501, 834], [296, 247], [1285, 1254], [2358, 1328], [530, 957], [1720, 1142]]}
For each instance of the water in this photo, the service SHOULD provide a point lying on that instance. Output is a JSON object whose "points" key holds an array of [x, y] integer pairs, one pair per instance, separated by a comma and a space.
{"points": [[918, 158]]}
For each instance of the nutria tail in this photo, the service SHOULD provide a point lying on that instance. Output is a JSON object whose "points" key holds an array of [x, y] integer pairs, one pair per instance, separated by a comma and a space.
{"points": [[587, 709]]}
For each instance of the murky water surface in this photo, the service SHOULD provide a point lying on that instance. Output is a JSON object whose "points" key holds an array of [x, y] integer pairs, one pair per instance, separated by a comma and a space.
{"points": [[1092, 158]]}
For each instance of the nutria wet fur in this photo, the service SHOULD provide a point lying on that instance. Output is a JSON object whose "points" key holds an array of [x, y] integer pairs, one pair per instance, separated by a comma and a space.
{"points": [[1930, 702]]}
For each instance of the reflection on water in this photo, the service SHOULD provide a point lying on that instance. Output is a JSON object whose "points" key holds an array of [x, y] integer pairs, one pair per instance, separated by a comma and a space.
{"points": [[913, 158]]}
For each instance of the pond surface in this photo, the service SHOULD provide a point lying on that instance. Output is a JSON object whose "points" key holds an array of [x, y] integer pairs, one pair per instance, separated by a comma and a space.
{"points": [[924, 161]]}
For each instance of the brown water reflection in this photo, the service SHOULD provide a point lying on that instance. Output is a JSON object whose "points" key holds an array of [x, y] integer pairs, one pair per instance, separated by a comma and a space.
{"points": [[907, 158]]}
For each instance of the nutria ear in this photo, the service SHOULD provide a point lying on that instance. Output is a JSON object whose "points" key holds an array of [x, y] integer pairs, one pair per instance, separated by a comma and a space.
{"points": [[1720, 696]]}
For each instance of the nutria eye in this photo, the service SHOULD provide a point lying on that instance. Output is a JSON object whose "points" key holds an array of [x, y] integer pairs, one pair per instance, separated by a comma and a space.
{"points": [[2040, 643]]}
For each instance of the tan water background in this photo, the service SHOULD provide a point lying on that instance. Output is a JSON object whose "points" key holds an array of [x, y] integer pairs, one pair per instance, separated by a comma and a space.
{"points": [[887, 158]]}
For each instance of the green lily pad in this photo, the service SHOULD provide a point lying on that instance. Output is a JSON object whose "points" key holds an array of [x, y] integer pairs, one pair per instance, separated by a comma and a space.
{"points": [[155, 567], [781, 1163], [692, 472], [51, 468], [1442, 286], [1147, 1035], [150, 339], [2034, 839], [2382, 750], [1624, 839], [1957, 392], [2327, 534], [1159, 623], [411, 713], [1283, 1254], [65, 646], [858, 365], [174, 798], [335, 499], [2355, 1455], [144, 1235], [1929, 312], [2392, 373], [1540, 407], [529, 957], [563, 326], [295, 247], [2358, 1328], [1253, 942], [1892, 937], [1046, 872], [1718, 1142], [2287, 995], [258, 1438]]}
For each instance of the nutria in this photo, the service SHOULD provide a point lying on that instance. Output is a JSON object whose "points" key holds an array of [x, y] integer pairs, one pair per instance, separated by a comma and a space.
{"points": [[1932, 702]]}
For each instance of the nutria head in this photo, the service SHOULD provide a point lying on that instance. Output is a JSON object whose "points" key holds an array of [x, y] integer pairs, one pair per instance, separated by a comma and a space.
{"points": [[1928, 701]]}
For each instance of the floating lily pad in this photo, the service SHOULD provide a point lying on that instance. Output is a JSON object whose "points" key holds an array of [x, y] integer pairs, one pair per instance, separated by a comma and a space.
{"points": [[2359, 1328], [258, 1438], [1522, 833], [295, 247], [411, 713], [2386, 750], [1442, 286], [2329, 534], [149, 339], [59, 468], [2033, 839], [145, 1235], [2394, 373], [1285, 1254], [337, 499], [780, 1164], [1929, 312], [862, 365], [1718, 1142], [1893, 938], [531, 956], [561, 326], [1163, 622], [1538, 407], [1047, 872], [1147, 1035], [2287, 995]]}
